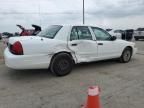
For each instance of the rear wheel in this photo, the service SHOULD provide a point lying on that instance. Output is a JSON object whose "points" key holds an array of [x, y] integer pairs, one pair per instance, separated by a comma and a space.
{"points": [[126, 55], [61, 64]]}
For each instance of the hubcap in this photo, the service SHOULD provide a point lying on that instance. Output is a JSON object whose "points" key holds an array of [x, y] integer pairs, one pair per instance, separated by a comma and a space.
{"points": [[63, 64], [127, 55]]}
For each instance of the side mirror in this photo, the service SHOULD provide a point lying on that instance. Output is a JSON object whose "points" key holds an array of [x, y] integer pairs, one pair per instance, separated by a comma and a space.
{"points": [[113, 38]]}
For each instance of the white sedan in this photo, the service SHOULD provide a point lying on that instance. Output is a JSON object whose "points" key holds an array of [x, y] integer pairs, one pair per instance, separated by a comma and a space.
{"points": [[116, 33], [60, 47]]}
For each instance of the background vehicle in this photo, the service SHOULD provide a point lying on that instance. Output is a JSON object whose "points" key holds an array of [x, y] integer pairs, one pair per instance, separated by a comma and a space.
{"points": [[127, 34], [117, 33], [60, 47], [5, 37], [29, 32], [0, 36], [7, 34], [24, 32], [139, 34]]}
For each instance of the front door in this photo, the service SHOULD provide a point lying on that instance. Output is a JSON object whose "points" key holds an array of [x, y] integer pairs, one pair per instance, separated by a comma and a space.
{"points": [[107, 48]]}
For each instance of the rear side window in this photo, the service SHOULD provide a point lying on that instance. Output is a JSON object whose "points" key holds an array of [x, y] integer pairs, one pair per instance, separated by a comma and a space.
{"points": [[80, 33], [50, 32]]}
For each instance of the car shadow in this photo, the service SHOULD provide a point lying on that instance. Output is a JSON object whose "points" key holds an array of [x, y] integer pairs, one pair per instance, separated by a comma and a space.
{"points": [[38, 74], [104, 63], [34, 74], [45, 73]]}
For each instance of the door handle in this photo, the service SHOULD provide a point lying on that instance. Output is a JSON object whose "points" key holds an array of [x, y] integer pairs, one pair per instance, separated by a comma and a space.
{"points": [[100, 43], [74, 44]]}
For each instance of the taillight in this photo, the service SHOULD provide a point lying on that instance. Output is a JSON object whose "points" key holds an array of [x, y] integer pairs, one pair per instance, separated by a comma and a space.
{"points": [[16, 48]]}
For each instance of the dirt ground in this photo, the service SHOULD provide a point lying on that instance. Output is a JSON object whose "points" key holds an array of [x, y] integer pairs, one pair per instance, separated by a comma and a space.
{"points": [[1, 49], [122, 85]]}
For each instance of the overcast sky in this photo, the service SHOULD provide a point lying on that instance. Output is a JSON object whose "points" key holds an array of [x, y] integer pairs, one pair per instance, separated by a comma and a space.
{"points": [[102, 13]]}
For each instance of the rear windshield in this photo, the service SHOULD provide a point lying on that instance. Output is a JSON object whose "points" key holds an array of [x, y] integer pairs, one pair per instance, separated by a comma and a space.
{"points": [[50, 31]]}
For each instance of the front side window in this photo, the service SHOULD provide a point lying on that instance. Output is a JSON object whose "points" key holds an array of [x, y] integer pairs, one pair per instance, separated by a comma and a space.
{"points": [[80, 33], [50, 32], [101, 34]]}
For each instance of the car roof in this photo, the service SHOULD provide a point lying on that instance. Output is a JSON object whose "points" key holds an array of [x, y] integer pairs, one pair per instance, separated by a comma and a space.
{"points": [[78, 25]]}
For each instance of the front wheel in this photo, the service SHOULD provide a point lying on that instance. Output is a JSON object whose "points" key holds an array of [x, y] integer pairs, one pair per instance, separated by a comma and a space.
{"points": [[126, 55], [61, 64]]}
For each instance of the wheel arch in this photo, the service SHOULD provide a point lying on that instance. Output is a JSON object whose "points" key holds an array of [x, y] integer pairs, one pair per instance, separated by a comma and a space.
{"points": [[131, 48], [64, 52]]}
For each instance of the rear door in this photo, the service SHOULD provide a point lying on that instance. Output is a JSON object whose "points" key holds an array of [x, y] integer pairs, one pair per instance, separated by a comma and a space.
{"points": [[82, 43]]}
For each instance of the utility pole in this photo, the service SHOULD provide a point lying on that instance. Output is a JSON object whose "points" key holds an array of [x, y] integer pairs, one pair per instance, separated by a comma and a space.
{"points": [[83, 13]]}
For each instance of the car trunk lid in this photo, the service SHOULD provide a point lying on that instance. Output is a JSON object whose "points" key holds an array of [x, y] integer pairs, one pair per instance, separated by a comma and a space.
{"points": [[12, 40]]}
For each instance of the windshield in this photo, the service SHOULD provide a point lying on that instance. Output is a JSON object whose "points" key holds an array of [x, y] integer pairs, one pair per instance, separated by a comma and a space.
{"points": [[50, 31]]}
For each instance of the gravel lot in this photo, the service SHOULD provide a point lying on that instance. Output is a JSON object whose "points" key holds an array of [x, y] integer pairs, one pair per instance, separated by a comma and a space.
{"points": [[1, 48], [122, 85]]}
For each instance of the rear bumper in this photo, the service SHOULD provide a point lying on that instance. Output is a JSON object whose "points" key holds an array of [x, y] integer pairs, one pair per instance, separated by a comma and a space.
{"points": [[40, 61]]}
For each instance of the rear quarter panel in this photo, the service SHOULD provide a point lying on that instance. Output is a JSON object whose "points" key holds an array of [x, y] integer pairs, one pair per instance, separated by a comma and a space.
{"points": [[43, 46]]}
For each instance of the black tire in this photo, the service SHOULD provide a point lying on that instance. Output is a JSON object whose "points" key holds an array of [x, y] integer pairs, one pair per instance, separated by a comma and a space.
{"points": [[136, 39], [61, 64], [126, 55]]}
